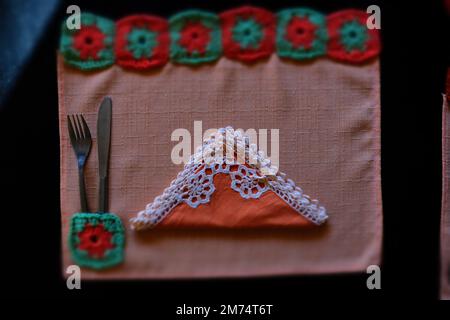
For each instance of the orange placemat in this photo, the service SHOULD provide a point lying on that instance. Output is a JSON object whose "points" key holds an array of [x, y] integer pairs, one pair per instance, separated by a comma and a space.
{"points": [[328, 114]]}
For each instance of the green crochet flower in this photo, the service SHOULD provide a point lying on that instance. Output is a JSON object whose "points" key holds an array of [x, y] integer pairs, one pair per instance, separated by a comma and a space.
{"points": [[301, 34], [195, 36], [141, 42], [247, 32], [353, 35]]}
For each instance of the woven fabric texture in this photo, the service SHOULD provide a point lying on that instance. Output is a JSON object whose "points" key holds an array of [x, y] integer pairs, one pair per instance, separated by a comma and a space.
{"points": [[328, 114]]}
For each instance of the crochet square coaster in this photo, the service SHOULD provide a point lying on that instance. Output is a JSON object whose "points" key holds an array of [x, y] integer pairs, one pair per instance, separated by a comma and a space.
{"points": [[248, 33], [91, 46], [301, 34], [96, 240], [142, 42], [349, 38], [195, 37]]}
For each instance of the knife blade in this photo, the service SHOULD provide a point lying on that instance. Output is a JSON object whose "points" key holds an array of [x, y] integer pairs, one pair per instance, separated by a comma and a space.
{"points": [[103, 146]]}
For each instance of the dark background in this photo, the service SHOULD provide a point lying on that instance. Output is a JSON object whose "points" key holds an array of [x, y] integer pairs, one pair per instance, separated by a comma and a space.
{"points": [[413, 67]]}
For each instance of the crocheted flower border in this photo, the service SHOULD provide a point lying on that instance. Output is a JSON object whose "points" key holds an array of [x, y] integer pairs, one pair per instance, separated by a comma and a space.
{"points": [[194, 37], [96, 240]]}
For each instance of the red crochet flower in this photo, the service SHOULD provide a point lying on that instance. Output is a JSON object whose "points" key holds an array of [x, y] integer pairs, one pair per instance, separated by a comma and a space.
{"points": [[300, 32], [349, 38], [159, 52], [95, 240], [248, 33], [195, 37], [89, 41]]}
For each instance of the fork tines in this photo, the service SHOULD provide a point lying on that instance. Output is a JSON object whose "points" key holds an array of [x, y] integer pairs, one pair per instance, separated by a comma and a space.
{"points": [[78, 128]]}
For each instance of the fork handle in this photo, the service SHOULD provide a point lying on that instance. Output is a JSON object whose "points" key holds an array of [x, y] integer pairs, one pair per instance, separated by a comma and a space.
{"points": [[81, 184]]}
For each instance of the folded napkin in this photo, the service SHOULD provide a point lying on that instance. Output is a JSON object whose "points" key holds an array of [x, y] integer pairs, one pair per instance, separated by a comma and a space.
{"points": [[228, 183]]}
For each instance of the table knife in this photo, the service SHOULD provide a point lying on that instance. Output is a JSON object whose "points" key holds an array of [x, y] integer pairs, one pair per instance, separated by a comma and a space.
{"points": [[103, 146]]}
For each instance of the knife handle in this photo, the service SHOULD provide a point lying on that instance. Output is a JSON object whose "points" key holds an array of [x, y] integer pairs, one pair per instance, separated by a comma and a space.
{"points": [[103, 195]]}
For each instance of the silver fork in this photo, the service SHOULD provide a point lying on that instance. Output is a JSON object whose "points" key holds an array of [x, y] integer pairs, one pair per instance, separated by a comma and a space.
{"points": [[80, 138]]}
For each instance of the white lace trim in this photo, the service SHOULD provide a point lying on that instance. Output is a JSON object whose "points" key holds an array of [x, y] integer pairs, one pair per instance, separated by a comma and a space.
{"points": [[195, 184]]}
